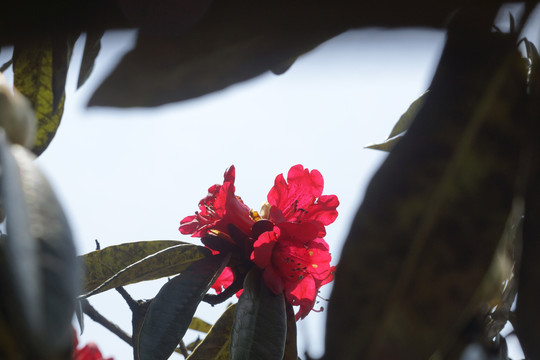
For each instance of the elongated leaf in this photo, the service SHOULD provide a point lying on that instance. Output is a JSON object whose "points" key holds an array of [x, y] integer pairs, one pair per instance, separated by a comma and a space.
{"points": [[167, 262], [291, 349], [40, 69], [170, 312], [216, 344], [199, 325], [404, 122], [527, 316], [101, 265], [92, 47], [40, 255], [236, 41], [260, 322], [417, 262]]}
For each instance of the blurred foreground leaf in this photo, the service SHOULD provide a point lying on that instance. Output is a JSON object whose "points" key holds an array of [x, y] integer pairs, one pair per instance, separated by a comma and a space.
{"points": [[216, 344], [139, 261], [527, 315], [40, 257], [260, 322], [420, 252], [170, 312]]}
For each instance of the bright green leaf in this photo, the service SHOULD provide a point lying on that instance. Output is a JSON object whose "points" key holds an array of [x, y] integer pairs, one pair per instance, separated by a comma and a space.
{"points": [[140, 261], [260, 322], [199, 325], [421, 249], [216, 344], [170, 312]]}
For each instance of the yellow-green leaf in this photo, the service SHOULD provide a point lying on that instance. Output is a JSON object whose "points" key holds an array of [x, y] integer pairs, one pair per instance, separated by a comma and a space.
{"points": [[216, 344], [40, 67], [134, 262], [200, 325]]}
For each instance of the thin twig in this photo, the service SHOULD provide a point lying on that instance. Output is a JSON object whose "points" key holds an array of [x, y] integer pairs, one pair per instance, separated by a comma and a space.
{"points": [[132, 303], [100, 319], [6, 65], [183, 349]]}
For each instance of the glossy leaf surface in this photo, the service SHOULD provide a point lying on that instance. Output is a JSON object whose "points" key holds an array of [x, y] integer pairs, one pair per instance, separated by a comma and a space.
{"points": [[170, 312], [260, 322]]}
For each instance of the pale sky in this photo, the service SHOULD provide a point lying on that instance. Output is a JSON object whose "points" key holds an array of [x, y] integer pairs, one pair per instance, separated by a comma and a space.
{"points": [[130, 175]]}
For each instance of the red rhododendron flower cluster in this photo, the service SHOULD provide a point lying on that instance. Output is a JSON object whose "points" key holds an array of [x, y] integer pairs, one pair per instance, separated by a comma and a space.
{"points": [[285, 239], [89, 352]]}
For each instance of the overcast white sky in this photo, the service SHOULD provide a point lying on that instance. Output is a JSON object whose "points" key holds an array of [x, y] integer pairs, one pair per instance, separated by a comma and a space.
{"points": [[129, 175]]}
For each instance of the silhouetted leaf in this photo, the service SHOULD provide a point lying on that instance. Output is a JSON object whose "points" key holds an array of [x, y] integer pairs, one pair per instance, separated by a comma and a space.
{"points": [[260, 322], [420, 251], [170, 312], [92, 46], [40, 69], [235, 41], [171, 260], [215, 345], [404, 122], [527, 315], [199, 325]]}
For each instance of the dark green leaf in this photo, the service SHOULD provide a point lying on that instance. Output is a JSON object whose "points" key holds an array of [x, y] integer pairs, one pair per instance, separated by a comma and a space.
{"points": [[236, 41], [39, 68], [62, 48], [404, 122], [527, 315], [91, 51], [39, 252], [140, 261], [291, 349], [260, 322], [216, 344], [170, 312], [420, 251], [199, 325]]}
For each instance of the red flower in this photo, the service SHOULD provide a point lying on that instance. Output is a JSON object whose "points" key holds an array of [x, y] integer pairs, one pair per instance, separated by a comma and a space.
{"points": [[224, 280], [300, 199], [218, 209], [89, 352], [285, 241], [295, 261]]}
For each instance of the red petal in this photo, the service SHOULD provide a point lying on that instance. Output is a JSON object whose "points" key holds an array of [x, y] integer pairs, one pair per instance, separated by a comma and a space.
{"points": [[263, 248]]}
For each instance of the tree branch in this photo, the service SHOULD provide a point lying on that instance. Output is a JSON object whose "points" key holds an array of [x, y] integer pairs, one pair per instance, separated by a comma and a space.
{"points": [[100, 319]]}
